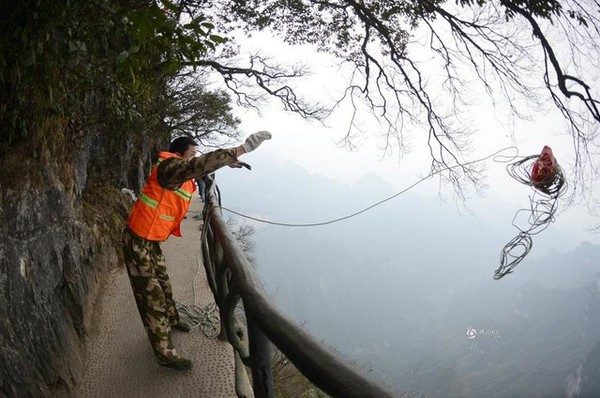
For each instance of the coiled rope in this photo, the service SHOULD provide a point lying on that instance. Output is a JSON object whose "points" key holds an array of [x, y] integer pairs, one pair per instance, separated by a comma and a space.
{"points": [[543, 206], [204, 318]]}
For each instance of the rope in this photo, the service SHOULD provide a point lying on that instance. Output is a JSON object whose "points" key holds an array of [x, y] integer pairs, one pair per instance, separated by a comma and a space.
{"points": [[543, 206], [206, 318], [196, 317], [498, 157]]}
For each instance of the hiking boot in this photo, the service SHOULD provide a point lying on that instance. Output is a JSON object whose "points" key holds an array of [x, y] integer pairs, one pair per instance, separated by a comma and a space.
{"points": [[182, 326], [177, 364]]}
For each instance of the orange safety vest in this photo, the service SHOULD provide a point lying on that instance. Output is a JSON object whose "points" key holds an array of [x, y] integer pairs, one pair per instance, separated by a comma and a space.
{"points": [[158, 211]]}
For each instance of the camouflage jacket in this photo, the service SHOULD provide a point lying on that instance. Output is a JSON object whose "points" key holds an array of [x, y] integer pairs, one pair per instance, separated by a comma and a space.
{"points": [[174, 171]]}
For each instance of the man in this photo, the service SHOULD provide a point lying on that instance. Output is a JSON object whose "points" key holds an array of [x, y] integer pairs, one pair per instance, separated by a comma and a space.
{"points": [[155, 216]]}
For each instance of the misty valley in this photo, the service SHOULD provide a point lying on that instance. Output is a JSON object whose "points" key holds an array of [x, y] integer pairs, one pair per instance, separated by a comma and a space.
{"points": [[406, 292]]}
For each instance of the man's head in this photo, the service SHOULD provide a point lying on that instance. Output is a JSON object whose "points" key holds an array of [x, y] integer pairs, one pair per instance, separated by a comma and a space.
{"points": [[184, 147]]}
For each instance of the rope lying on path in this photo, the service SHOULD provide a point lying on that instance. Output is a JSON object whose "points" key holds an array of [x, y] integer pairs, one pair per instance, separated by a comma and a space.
{"points": [[196, 317], [206, 318]]}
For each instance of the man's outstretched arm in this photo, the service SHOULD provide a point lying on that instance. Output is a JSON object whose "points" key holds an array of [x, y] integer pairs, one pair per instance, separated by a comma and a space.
{"points": [[175, 171]]}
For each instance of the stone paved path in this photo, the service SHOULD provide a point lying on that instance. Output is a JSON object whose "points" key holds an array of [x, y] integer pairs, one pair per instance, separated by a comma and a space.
{"points": [[120, 361]]}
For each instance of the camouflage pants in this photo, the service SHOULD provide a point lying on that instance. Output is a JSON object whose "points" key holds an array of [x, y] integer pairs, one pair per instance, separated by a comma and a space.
{"points": [[152, 290]]}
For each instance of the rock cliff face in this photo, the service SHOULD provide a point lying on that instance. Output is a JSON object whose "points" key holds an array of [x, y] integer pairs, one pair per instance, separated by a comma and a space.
{"points": [[77, 124], [584, 381], [59, 230]]}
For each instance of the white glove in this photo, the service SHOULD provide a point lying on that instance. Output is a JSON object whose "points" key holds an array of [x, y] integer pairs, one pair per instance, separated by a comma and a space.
{"points": [[254, 140]]}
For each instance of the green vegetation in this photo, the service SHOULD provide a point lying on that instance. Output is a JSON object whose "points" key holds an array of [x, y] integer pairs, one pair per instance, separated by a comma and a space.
{"points": [[100, 71]]}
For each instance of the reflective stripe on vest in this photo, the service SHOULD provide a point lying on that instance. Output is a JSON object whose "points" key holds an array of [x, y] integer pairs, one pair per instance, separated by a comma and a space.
{"points": [[184, 194], [148, 200], [158, 212]]}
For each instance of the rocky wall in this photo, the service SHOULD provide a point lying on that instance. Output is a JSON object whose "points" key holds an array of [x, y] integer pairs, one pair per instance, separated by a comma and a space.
{"points": [[59, 233]]}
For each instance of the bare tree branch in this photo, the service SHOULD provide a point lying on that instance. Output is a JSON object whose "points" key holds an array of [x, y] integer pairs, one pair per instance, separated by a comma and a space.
{"points": [[272, 80]]}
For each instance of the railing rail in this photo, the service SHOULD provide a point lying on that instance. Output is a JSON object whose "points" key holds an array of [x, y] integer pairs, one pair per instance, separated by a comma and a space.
{"points": [[231, 279]]}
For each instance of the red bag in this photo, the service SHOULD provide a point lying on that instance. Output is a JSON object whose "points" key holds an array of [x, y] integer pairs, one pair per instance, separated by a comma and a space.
{"points": [[544, 169]]}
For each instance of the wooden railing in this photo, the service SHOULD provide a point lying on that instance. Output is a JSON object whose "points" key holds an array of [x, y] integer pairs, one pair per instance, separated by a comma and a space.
{"points": [[231, 279]]}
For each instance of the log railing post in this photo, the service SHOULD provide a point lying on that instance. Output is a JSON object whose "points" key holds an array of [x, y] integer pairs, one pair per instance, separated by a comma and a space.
{"points": [[260, 359]]}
